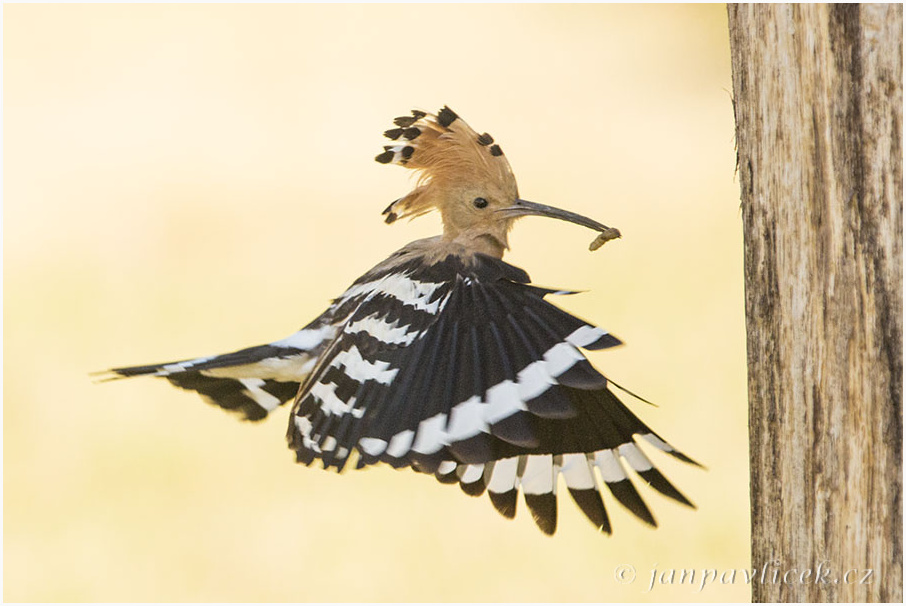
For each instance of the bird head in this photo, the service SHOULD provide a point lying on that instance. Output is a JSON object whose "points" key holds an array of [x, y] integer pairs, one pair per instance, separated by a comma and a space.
{"points": [[466, 177]]}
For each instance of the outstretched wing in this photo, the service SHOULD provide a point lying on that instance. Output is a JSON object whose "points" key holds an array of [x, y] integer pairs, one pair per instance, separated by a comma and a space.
{"points": [[251, 382], [463, 369]]}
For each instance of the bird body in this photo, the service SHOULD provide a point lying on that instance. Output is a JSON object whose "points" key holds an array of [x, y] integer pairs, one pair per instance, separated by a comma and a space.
{"points": [[446, 359]]}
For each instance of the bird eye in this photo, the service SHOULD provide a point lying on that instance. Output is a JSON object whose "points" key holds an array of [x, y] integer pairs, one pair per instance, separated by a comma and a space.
{"points": [[480, 203]]}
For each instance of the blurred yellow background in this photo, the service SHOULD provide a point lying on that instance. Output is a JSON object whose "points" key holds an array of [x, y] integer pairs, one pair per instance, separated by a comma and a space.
{"points": [[188, 180]]}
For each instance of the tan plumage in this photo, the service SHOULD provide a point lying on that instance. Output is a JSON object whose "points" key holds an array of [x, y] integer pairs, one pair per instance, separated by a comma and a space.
{"points": [[465, 176], [448, 156]]}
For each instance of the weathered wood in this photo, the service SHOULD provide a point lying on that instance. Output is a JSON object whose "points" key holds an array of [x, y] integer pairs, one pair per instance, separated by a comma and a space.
{"points": [[818, 98]]}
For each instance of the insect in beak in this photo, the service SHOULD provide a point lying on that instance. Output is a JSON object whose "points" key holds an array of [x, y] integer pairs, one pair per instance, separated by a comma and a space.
{"points": [[523, 208]]}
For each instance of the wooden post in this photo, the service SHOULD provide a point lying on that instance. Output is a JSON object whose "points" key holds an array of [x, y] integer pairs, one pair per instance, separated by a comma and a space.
{"points": [[818, 99]]}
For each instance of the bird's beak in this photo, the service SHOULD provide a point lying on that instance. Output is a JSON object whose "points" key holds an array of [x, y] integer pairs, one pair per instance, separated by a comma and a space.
{"points": [[523, 208]]}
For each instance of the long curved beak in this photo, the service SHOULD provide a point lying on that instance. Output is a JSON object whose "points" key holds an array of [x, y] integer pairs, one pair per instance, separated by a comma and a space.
{"points": [[523, 208]]}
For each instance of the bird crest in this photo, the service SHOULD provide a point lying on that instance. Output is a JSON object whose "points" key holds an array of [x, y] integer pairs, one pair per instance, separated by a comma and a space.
{"points": [[449, 157]]}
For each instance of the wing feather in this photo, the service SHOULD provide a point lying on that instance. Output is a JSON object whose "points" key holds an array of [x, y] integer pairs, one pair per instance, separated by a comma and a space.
{"points": [[251, 382], [466, 371]]}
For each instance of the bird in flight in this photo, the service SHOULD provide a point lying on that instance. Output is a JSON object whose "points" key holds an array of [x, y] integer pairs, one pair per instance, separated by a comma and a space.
{"points": [[445, 359]]}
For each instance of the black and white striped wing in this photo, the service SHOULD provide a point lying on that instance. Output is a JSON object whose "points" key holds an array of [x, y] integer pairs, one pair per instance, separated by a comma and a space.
{"points": [[467, 372], [251, 382]]}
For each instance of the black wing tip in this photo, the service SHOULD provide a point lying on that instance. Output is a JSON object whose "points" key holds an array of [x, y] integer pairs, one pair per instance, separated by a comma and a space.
{"points": [[254, 414], [590, 502], [473, 489], [245, 412], [668, 448], [244, 408], [582, 375], [516, 429], [551, 404], [544, 511], [430, 463], [505, 502], [395, 462], [446, 478], [628, 496], [303, 455], [474, 450], [229, 394], [658, 482], [605, 341], [687, 459]]}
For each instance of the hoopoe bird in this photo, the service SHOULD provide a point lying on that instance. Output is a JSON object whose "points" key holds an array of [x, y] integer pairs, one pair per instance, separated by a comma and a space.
{"points": [[445, 359]]}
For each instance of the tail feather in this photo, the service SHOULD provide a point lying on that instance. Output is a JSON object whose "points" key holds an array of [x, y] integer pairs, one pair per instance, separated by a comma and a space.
{"points": [[251, 382]]}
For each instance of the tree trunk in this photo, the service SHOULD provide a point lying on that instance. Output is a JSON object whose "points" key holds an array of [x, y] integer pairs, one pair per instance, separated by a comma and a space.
{"points": [[818, 99]]}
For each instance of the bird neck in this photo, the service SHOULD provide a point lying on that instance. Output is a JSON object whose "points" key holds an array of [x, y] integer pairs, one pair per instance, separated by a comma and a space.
{"points": [[477, 241]]}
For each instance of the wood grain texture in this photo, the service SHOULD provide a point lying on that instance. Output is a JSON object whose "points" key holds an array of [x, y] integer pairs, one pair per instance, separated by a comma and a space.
{"points": [[818, 101]]}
